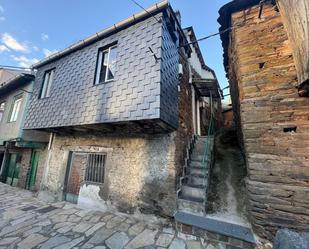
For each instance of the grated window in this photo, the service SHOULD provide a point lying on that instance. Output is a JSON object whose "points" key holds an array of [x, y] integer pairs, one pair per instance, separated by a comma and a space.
{"points": [[95, 168]]}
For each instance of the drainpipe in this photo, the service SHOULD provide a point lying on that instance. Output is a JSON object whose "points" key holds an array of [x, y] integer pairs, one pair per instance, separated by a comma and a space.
{"points": [[49, 147], [198, 119]]}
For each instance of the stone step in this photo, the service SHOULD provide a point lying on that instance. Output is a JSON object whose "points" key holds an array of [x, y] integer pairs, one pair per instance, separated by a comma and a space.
{"points": [[201, 181], [198, 171], [190, 206], [183, 196], [193, 192], [229, 233], [195, 182], [198, 163]]}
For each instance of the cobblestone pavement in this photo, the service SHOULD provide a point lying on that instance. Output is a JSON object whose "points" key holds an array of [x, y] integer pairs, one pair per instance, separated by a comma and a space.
{"points": [[27, 222]]}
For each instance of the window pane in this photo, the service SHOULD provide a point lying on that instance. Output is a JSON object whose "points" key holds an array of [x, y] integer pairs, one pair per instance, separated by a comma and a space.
{"points": [[99, 64], [50, 81], [112, 63], [15, 110], [103, 66], [2, 106]]}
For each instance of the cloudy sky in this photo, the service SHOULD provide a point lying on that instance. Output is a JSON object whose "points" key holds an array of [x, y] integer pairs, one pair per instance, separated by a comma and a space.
{"points": [[33, 29]]}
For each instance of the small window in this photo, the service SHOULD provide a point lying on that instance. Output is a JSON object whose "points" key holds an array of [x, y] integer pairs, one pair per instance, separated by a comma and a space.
{"points": [[47, 83], [106, 65], [95, 168], [2, 107], [15, 108]]}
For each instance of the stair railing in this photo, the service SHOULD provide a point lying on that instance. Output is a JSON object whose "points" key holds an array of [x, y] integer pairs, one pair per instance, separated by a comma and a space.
{"points": [[207, 149]]}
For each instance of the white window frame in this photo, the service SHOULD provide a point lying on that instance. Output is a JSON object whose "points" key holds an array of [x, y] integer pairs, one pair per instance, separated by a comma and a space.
{"points": [[16, 106], [2, 111], [99, 65], [47, 83]]}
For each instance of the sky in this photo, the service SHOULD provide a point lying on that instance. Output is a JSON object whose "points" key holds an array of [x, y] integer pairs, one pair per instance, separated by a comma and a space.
{"points": [[33, 29]]}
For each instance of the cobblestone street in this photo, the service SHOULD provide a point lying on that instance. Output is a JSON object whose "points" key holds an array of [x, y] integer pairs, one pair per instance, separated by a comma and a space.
{"points": [[27, 222]]}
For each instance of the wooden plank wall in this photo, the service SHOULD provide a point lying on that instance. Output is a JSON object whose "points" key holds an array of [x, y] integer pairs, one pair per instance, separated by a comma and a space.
{"points": [[295, 17]]}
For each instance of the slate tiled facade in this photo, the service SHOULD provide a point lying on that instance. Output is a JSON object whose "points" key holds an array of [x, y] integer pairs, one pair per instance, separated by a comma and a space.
{"points": [[143, 88]]}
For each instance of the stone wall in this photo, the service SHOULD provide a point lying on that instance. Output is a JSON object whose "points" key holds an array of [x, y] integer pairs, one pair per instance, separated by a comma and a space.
{"points": [[140, 171], [272, 120], [26, 165]]}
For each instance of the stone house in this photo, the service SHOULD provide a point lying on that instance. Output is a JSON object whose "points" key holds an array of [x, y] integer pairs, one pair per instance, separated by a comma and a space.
{"points": [[266, 59], [121, 109], [20, 150]]}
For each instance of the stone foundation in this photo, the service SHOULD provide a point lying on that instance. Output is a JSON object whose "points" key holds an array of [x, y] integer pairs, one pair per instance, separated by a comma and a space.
{"points": [[140, 172]]}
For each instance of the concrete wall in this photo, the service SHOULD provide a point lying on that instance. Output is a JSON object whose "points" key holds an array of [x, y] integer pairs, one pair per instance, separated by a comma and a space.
{"points": [[272, 120], [140, 172], [13, 130]]}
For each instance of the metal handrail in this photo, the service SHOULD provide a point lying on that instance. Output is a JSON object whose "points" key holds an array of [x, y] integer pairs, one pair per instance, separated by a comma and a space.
{"points": [[208, 139]]}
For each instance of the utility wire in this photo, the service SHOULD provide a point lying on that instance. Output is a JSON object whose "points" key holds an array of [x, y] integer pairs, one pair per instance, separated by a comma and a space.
{"points": [[139, 5]]}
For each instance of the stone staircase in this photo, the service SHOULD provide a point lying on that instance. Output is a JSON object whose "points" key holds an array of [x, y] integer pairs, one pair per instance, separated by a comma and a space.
{"points": [[191, 215], [192, 194]]}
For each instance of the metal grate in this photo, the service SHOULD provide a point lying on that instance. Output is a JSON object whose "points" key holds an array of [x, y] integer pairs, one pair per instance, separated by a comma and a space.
{"points": [[95, 168]]}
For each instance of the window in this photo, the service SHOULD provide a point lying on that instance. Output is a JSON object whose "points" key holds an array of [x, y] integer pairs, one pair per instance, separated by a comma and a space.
{"points": [[2, 107], [95, 168], [106, 65], [47, 83], [15, 108]]}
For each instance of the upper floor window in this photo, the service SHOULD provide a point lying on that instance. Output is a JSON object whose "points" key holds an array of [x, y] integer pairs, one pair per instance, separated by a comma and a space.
{"points": [[106, 65], [47, 83], [2, 107], [15, 108]]}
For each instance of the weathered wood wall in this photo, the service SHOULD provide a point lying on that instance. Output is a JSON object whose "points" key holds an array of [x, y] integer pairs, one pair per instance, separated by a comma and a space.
{"points": [[272, 119], [295, 17]]}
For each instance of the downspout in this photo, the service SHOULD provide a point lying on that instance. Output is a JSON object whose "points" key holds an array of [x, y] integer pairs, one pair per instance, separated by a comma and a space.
{"points": [[46, 170]]}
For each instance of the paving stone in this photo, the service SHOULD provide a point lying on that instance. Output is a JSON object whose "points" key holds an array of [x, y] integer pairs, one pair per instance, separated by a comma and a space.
{"points": [[107, 217], [117, 240], [81, 227], [32, 241], [99, 247], [100, 236], [94, 228], [178, 244], [136, 229], [32, 230], [146, 238], [95, 219], [114, 221], [191, 244], [164, 239], [8, 240], [169, 230], [55, 241], [71, 244], [123, 227]]}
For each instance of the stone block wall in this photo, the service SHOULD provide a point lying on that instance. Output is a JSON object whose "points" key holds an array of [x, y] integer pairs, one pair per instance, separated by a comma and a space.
{"points": [[272, 120]]}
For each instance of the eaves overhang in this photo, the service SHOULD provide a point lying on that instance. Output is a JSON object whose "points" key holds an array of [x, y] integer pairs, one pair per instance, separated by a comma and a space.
{"points": [[15, 83], [153, 10], [207, 88]]}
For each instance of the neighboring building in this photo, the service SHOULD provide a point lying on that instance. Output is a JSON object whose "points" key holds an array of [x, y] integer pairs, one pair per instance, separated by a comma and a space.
{"points": [[267, 66], [121, 111], [20, 150], [228, 117]]}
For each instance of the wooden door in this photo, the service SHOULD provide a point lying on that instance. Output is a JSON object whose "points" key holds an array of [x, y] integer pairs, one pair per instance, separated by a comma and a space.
{"points": [[33, 170], [74, 176], [13, 168]]}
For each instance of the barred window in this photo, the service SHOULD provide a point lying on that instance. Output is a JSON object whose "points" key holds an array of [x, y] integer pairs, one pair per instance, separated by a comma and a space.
{"points": [[95, 168]]}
